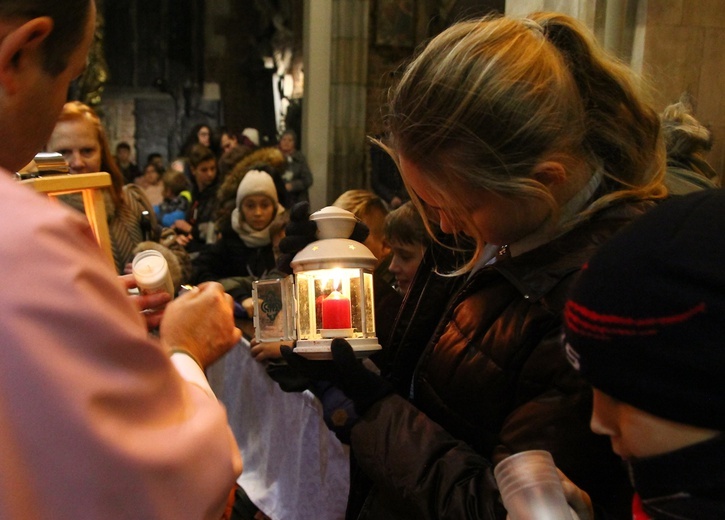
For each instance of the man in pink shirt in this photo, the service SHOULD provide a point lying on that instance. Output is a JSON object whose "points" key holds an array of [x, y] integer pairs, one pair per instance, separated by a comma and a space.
{"points": [[98, 420]]}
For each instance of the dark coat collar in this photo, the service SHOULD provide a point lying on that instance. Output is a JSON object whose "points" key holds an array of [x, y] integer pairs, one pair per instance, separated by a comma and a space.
{"points": [[538, 271]]}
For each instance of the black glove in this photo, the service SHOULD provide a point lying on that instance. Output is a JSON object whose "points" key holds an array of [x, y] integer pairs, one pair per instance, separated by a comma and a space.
{"points": [[301, 231], [345, 371]]}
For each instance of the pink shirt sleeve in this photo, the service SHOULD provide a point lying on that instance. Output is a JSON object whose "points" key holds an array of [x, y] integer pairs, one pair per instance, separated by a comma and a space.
{"points": [[96, 420]]}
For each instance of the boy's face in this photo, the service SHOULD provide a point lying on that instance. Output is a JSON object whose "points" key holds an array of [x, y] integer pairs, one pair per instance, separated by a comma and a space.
{"points": [[123, 154], [228, 142], [404, 263], [636, 434]]}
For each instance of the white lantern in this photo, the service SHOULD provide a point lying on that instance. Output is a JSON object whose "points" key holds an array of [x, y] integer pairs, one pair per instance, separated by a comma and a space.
{"points": [[333, 292]]}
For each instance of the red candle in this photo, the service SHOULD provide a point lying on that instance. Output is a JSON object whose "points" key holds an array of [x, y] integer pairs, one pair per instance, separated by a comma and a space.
{"points": [[336, 312]]}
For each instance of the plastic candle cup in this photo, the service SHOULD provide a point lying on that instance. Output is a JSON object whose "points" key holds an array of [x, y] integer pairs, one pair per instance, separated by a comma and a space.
{"points": [[151, 273]]}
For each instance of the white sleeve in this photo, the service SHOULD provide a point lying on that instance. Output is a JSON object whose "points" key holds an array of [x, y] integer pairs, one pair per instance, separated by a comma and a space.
{"points": [[191, 371]]}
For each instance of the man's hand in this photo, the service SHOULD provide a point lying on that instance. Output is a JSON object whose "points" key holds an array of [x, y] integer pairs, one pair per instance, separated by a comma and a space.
{"points": [[201, 322], [151, 306]]}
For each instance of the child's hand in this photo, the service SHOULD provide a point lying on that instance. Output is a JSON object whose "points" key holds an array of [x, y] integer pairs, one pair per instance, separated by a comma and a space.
{"points": [[183, 239], [248, 306], [577, 498], [265, 351]]}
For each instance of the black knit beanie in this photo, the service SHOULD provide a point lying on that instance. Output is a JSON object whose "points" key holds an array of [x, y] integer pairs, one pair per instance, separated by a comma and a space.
{"points": [[645, 322]]}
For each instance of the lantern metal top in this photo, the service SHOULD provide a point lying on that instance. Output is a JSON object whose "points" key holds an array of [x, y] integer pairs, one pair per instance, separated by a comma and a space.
{"points": [[333, 249], [333, 222]]}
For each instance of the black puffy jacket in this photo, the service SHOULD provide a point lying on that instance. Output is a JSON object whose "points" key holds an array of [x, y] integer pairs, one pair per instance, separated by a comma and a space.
{"points": [[493, 381]]}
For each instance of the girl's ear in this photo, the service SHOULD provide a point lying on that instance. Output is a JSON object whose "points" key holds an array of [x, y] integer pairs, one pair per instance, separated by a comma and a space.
{"points": [[550, 173], [18, 47]]}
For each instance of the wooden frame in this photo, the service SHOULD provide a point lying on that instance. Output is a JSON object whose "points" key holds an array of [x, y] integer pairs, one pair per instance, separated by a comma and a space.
{"points": [[89, 185]]}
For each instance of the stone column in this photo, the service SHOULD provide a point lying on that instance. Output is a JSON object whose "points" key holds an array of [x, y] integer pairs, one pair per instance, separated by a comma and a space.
{"points": [[348, 92], [333, 116], [316, 102]]}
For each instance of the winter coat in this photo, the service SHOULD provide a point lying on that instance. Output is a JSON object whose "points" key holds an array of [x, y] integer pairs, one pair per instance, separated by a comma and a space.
{"points": [[201, 215], [231, 257], [298, 174], [685, 484], [492, 381]]}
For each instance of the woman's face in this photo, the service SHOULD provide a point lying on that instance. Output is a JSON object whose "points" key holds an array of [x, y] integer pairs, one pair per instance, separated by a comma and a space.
{"points": [[204, 173], [404, 262], [287, 144], [494, 219], [258, 211], [204, 136], [77, 142]]}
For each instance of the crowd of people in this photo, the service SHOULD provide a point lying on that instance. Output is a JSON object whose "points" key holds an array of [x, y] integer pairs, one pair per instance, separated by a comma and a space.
{"points": [[548, 278]]}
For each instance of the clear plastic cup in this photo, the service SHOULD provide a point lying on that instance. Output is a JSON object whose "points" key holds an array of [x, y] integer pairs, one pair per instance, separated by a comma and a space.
{"points": [[530, 487]]}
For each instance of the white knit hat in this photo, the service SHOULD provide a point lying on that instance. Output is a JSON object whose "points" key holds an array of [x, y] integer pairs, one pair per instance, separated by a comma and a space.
{"points": [[256, 182], [252, 134]]}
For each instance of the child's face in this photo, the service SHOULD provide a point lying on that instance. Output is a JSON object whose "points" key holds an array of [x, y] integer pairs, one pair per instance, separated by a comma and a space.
{"points": [[404, 263], [204, 173], [635, 433], [228, 142], [258, 211], [151, 174]]}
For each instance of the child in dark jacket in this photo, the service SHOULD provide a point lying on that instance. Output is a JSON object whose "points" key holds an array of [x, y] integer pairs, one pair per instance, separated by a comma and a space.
{"points": [[176, 198], [643, 325]]}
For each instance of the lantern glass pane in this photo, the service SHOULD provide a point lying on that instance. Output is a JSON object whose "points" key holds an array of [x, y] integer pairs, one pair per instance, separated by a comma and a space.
{"points": [[304, 312], [274, 309], [313, 287], [369, 329]]}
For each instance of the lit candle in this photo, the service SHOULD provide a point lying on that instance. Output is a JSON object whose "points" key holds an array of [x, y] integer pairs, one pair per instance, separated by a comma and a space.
{"points": [[151, 273], [336, 312]]}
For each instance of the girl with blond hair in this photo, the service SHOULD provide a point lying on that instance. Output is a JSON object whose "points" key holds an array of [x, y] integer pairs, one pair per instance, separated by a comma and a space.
{"points": [[522, 135]]}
